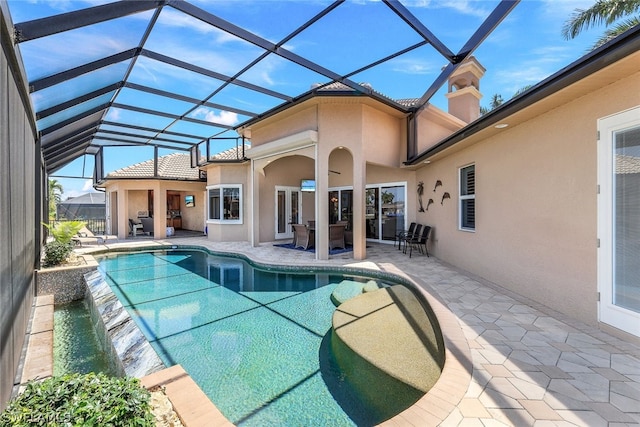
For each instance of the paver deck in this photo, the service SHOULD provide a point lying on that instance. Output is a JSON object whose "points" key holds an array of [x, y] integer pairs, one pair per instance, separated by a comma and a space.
{"points": [[38, 362], [510, 360]]}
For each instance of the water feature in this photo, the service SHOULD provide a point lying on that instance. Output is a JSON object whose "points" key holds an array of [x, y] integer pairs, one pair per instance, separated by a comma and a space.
{"points": [[76, 346]]}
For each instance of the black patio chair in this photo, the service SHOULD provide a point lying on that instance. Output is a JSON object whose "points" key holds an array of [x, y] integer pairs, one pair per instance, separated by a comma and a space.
{"points": [[401, 235], [410, 237], [421, 241]]}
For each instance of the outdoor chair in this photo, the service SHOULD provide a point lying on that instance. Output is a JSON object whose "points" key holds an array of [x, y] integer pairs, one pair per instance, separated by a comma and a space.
{"points": [[86, 237], [303, 237], [401, 235], [421, 241], [409, 237], [134, 227], [147, 225], [336, 236]]}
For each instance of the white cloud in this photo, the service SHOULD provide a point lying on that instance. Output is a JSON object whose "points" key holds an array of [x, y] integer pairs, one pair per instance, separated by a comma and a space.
{"points": [[88, 186], [224, 117], [563, 9], [65, 50], [412, 66], [175, 19], [113, 114], [68, 194], [466, 7], [224, 63]]}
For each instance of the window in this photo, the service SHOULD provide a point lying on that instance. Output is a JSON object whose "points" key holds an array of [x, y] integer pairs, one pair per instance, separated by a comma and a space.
{"points": [[468, 198], [225, 203]]}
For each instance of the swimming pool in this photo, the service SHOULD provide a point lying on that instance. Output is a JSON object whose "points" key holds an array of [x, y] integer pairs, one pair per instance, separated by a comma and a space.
{"points": [[257, 342]]}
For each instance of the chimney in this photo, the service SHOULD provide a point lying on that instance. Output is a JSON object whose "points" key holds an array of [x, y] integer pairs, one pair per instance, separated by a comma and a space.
{"points": [[464, 90]]}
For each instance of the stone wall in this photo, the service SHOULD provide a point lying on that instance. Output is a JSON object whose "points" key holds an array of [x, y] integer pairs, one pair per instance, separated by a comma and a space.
{"points": [[65, 283]]}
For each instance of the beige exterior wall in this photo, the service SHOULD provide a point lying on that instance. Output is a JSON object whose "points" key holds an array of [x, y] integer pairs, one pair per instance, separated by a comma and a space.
{"points": [[341, 167], [536, 213], [287, 171], [133, 197], [383, 137], [138, 201], [434, 125], [193, 217], [296, 120], [230, 174]]}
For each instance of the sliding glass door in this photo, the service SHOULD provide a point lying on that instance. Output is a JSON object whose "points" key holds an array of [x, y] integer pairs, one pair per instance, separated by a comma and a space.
{"points": [[384, 209]]}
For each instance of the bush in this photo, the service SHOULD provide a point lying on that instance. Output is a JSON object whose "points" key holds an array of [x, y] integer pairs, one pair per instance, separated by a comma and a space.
{"points": [[55, 253], [64, 231], [81, 400]]}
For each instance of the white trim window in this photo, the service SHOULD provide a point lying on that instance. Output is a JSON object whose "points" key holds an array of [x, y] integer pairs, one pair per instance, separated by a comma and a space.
{"points": [[467, 198], [224, 204]]}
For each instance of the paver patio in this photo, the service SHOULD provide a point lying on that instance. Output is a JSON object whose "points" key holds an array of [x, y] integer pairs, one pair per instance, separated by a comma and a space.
{"points": [[529, 364]]}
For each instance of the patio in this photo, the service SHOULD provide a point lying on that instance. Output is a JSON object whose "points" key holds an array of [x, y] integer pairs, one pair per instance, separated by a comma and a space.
{"points": [[510, 360]]}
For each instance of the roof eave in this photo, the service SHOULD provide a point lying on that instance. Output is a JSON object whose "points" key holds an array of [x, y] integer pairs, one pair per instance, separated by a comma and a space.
{"points": [[594, 61], [316, 93]]}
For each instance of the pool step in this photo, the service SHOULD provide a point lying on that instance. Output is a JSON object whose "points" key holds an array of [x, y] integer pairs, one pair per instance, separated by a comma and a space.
{"points": [[189, 401], [391, 330]]}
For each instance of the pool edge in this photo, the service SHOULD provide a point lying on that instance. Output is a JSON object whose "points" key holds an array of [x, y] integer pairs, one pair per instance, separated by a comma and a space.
{"points": [[437, 404]]}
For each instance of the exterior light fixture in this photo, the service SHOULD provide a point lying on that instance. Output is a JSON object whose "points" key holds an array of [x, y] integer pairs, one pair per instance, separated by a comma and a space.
{"points": [[501, 125]]}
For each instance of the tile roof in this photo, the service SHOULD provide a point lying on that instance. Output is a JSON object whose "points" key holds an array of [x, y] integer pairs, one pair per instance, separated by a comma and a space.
{"points": [[408, 102], [234, 153], [174, 166], [92, 198], [341, 87]]}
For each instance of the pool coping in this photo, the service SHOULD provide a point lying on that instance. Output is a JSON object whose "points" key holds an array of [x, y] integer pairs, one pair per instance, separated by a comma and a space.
{"points": [[433, 407]]}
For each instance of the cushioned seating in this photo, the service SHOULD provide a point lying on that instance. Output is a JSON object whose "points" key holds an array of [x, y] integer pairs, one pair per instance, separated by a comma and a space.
{"points": [[147, 225]]}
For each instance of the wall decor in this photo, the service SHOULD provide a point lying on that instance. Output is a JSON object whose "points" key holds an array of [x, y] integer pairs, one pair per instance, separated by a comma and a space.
{"points": [[445, 196], [420, 193], [438, 184], [429, 203]]}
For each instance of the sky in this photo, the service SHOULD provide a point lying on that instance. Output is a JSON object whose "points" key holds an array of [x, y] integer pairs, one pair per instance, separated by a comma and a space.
{"points": [[525, 48]]}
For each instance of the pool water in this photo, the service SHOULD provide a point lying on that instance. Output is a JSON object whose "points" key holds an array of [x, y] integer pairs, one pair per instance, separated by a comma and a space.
{"points": [[76, 347], [257, 342]]}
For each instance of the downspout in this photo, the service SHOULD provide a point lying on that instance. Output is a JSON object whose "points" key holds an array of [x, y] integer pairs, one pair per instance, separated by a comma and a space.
{"points": [[155, 161], [41, 200], [412, 135]]}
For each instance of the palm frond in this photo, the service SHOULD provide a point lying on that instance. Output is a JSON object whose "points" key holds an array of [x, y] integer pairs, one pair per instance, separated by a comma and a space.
{"points": [[615, 31], [603, 11]]}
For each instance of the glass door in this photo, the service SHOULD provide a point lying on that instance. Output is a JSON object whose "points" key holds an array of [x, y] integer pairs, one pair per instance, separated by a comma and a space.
{"points": [[619, 221], [288, 208], [371, 214], [392, 213]]}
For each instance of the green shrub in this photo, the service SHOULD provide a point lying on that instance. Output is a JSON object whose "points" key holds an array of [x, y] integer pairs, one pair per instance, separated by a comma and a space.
{"points": [[81, 400], [55, 253], [57, 250], [64, 231]]}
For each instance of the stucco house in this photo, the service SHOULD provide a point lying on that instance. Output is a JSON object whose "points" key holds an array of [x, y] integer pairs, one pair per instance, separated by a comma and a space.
{"points": [[165, 189], [522, 196]]}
